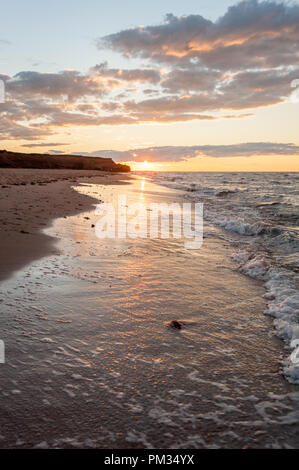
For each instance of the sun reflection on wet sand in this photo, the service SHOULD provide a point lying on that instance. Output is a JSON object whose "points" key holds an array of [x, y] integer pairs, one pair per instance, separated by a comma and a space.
{"points": [[107, 357]]}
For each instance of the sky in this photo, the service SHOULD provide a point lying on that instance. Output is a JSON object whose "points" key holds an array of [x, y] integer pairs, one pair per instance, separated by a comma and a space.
{"points": [[162, 85]]}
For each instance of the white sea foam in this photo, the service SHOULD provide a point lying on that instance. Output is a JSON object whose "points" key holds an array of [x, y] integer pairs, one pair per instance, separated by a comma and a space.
{"points": [[283, 302], [263, 211]]}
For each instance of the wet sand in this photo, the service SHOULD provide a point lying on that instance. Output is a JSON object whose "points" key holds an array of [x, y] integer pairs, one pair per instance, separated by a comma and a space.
{"points": [[30, 200], [91, 361]]}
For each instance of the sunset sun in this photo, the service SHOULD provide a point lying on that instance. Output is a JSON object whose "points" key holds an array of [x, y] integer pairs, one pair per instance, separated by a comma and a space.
{"points": [[144, 166]]}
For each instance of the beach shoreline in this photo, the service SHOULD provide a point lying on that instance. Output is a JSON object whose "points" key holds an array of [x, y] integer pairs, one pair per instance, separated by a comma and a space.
{"points": [[90, 354], [30, 200]]}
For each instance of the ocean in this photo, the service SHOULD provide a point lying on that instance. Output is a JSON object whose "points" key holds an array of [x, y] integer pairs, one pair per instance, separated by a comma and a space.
{"points": [[261, 210], [91, 358]]}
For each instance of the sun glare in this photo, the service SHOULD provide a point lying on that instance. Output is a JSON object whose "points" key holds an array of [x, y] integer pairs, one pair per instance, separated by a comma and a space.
{"points": [[143, 166]]}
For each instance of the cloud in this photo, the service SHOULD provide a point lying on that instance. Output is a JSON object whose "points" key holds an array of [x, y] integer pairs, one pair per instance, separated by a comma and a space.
{"points": [[246, 34], [37, 104], [181, 153], [244, 60], [35, 107], [69, 83], [5, 42], [12, 130], [127, 75], [191, 80], [45, 144], [192, 69]]}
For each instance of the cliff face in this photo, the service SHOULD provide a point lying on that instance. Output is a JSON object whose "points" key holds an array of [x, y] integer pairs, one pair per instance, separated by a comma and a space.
{"points": [[72, 162]]}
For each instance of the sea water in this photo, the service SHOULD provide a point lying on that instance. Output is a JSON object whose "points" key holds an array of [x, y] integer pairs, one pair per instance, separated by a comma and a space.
{"points": [[91, 359]]}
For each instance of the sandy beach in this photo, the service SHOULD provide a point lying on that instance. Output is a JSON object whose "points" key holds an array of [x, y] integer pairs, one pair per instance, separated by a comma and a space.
{"points": [[30, 200], [91, 360]]}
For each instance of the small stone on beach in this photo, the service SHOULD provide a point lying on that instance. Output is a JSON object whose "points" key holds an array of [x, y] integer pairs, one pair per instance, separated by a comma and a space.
{"points": [[175, 324]]}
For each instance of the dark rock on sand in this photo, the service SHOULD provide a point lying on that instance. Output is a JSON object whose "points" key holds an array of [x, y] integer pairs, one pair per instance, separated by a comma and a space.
{"points": [[175, 324]]}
